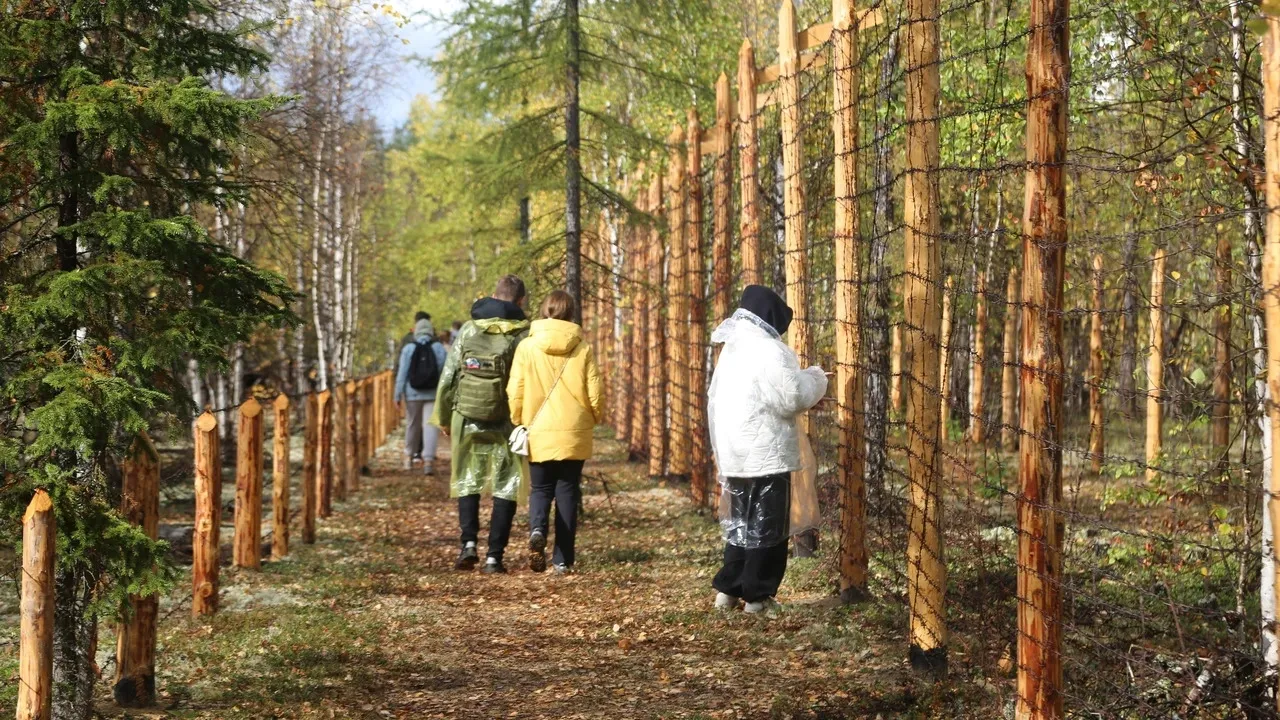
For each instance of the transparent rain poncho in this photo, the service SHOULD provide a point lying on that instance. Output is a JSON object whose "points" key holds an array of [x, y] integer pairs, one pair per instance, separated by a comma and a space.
{"points": [[482, 461], [756, 393]]}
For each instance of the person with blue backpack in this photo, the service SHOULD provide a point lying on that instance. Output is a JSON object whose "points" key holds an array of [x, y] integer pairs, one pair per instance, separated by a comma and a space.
{"points": [[417, 376]]}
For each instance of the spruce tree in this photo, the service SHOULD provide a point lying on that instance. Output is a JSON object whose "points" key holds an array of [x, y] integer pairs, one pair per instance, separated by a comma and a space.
{"points": [[110, 135]]}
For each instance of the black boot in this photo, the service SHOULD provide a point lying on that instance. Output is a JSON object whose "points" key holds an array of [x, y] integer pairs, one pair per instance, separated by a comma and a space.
{"points": [[467, 559]]}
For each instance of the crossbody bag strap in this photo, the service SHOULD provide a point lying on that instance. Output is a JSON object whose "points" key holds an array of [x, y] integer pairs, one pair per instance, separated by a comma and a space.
{"points": [[548, 395]]}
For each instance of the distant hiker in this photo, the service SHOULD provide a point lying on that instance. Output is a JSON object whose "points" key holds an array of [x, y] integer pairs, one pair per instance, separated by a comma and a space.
{"points": [[757, 391], [471, 407], [555, 395], [418, 374], [453, 332], [408, 338]]}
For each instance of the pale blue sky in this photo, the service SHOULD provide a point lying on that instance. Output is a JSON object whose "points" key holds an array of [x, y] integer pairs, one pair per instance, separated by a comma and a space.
{"points": [[410, 79]]}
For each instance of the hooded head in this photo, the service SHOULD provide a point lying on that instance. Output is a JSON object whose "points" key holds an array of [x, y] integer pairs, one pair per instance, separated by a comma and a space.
{"points": [[768, 306], [423, 329]]}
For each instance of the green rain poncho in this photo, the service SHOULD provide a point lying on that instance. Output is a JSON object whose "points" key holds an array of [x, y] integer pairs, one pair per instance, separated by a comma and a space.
{"points": [[482, 461]]}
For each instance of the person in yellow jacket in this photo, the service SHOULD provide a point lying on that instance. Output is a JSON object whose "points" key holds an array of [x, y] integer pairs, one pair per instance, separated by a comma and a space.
{"points": [[554, 391]]}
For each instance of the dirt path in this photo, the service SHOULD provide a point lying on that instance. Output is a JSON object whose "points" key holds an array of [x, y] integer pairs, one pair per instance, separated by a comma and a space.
{"points": [[373, 622]]}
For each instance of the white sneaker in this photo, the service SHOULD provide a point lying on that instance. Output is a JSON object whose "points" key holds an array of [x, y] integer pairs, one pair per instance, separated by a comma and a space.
{"points": [[408, 463], [726, 602], [767, 605]]}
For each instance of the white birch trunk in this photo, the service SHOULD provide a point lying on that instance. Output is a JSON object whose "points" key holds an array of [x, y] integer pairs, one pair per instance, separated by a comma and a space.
{"points": [[317, 237], [1243, 143]]}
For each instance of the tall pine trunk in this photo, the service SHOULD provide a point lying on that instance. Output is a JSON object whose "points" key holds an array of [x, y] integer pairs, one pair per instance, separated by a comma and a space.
{"points": [[573, 163], [73, 628], [1129, 333], [877, 314]]}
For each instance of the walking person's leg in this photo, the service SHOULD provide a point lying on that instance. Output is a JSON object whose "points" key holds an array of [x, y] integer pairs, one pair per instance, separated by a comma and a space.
{"points": [[765, 564], [762, 572], [469, 524], [430, 437], [413, 428], [541, 490], [500, 521], [568, 479], [728, 581]]}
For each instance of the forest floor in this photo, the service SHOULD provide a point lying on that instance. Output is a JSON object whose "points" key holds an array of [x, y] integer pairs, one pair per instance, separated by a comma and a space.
{"points": [[373, 622]]}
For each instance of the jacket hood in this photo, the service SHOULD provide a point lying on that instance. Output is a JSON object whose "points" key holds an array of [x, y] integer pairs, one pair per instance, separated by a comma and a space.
{"points": [[768, 306], [501, 326], [489, 307], [555, 337], [423, 330]]}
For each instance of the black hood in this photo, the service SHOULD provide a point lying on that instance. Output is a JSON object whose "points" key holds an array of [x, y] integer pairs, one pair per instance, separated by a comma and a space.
{"points": [[489, 308], [768, 306]]}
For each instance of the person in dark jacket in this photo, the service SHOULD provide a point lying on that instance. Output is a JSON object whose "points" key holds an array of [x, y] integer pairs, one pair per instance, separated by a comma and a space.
{"points": [[419, 402], [408, 338], [482, 460]]}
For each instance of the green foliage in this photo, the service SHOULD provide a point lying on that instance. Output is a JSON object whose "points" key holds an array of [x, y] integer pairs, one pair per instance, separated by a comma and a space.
{"points": [[112, 134]]}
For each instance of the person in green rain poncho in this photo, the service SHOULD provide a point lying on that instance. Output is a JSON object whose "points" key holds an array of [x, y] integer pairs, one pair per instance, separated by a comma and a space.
{"points": [[471, 408]]}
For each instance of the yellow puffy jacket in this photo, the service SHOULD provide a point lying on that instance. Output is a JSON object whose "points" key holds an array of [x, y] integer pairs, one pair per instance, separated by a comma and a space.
{"points": [[563, 429]]}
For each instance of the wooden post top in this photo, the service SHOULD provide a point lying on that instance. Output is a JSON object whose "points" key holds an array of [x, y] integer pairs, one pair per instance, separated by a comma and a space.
{"points": [[206, 422], [281, 401], [787, 51], [250, 408], [323, 398], [40, 503], [841, 14]]}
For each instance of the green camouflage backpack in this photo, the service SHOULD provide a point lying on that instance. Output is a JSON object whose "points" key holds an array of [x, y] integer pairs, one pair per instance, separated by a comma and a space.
{"points": [[482, 377]]}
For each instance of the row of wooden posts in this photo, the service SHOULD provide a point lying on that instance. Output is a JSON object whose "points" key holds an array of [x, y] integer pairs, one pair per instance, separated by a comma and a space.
{"points": [[343, 429], [659, 381]]}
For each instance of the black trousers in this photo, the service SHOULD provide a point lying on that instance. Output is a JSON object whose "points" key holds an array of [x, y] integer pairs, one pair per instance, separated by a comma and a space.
{"points": [[751, 574], [504, 513], [561, 480]]}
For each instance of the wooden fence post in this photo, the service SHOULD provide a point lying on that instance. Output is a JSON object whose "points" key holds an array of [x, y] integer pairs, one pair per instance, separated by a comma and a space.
{"points": [[280, 480], [366, 424], [657, 368], [722, 196], [944, 362], [338, 423], [926, 572], [351, 460], [677, 288], [1155, 366], [896, 396], [977, 386], [35, 640], [310, 467], [748, 163], [135, 684], [699, 334], [1220, 423], [797, 258], [1040, 457], [849, 381], [324, 465], [247, 542], [1271, 258], [639, 433], [1009, 373], [1097, 422], [208, 520]]}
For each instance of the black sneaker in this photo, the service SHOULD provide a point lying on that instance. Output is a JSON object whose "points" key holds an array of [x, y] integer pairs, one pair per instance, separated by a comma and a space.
{"points": [[493, 566], [467, 559], [537, 551]]}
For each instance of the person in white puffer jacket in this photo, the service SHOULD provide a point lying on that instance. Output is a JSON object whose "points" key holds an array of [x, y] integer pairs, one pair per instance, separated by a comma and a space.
{"points": [[757, 391]]}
